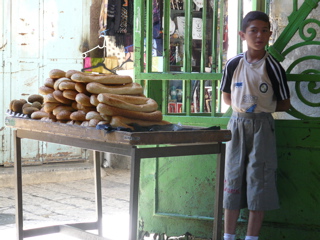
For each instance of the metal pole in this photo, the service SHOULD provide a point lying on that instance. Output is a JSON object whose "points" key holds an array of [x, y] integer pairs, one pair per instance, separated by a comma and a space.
{"points": [[18, 185], [97, 182], [218, 208], [134, 193]]}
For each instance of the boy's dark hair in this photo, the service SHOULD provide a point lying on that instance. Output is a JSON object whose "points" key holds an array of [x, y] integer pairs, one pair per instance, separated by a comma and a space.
{"points": [[254, 15]]}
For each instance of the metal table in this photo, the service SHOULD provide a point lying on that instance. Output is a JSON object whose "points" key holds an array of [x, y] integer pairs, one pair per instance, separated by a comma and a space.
{"points": [[168, 144]]}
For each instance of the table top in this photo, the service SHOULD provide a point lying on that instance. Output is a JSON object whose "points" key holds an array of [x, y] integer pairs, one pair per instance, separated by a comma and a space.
{"points": [[194, 135]]}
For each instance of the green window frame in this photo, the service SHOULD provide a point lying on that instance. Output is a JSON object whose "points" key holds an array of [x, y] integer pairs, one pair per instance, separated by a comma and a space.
{"points": [[157, 83]]}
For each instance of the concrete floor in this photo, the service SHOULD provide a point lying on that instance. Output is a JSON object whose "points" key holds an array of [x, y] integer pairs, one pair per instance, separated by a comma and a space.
{"points": [[64, 193]]}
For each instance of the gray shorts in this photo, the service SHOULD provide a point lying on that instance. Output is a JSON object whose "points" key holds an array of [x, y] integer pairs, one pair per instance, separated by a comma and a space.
{"points": [[251, 163]]}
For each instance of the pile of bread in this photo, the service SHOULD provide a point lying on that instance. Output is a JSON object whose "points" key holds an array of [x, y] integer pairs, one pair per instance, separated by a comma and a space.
{"points": [[85, 99], [25, 107]]}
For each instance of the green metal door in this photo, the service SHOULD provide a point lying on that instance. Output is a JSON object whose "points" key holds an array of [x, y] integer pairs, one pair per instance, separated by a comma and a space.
{"points": [[181, 70]]}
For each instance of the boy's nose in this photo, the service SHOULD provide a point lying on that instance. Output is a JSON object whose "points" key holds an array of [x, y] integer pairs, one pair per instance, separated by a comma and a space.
{"points": [[259, 34]]}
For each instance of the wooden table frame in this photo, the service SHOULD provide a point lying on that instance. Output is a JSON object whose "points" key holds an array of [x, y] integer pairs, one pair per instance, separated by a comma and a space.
{"points": [[128, 149]]}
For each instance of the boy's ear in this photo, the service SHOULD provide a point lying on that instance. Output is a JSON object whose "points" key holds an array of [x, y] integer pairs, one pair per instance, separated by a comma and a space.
{"points": [[242, 35]]}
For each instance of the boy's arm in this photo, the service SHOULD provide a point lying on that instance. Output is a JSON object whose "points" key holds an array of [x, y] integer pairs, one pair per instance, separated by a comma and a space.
{"points": [[227, 98], [283, 105]]}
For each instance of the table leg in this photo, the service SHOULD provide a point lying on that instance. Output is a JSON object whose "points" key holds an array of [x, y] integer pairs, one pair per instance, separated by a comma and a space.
{"points": [[134, 194], [18, 185], [218, 208], [98, 195]]}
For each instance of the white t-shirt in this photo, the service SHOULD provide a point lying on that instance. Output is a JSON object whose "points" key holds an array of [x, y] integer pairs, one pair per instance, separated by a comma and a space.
{"points": [[254, 87]]}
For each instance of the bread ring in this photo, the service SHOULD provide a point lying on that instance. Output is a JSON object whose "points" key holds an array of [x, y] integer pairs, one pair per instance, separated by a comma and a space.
{"points": [[133, 103], [35, 98], [57, 73], [101, 78], [79, 115], [44, 90], [26, 105], [72, 122], [70, 72], [125, 89], [81, 88], [93, 100], [105, 117], [67, 85], [49, 98], [74, 105], [29, 110], [93, 122], [48, 119], [83, 100], [85, 124], [37, 105], [49, 82], [59, 96], [84, 108], [114, 111], [118, 121], [49, 106], [63, 115], [60, 80], [70, 94], [93, 115], [39, 115], [103, 122], [60, 108]]}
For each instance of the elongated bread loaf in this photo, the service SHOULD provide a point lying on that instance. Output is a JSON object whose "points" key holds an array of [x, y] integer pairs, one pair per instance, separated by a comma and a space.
{"points": [[101, 78], [124, 89], [114, 111], [133, 103], [118, 121]]}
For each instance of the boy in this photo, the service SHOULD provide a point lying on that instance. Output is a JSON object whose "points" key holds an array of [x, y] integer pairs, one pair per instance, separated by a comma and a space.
{"points": [[255, 85]]}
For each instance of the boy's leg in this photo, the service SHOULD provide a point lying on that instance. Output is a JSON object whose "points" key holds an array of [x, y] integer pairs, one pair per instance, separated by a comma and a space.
{"points": [[230, 220], [255, 222]]}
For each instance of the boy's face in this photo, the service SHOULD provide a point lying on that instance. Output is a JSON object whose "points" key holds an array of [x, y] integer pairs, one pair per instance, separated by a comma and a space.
{"points": [[257, 35]]}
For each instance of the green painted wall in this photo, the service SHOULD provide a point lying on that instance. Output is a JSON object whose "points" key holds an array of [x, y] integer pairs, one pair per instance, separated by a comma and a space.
{"points": [[177, 194]]}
